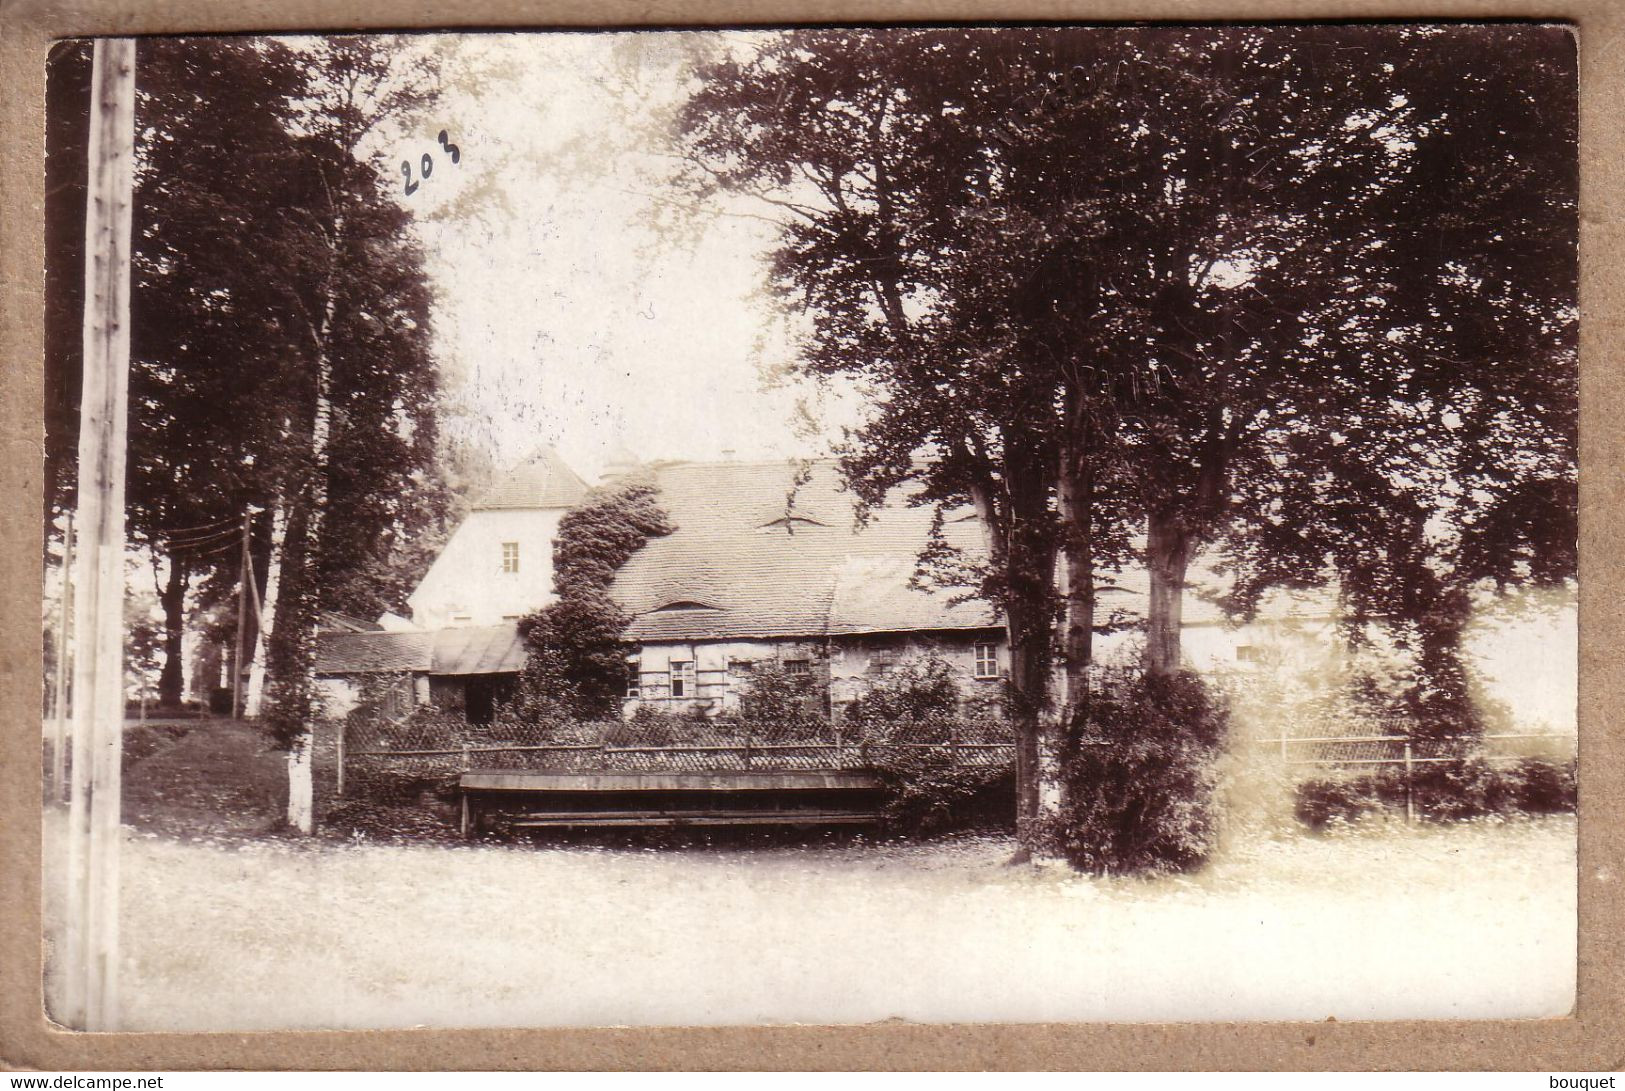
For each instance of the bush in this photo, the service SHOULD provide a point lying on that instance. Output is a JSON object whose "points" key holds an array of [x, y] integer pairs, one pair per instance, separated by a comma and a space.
{"points": [[1141, 788], [1442, 791], [1547, 787], [1325, 800], [775, 697], [925, 796], [922, 688]]}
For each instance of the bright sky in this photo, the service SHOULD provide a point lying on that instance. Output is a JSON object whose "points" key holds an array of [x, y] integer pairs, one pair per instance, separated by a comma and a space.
{"points": [[565, 314]]}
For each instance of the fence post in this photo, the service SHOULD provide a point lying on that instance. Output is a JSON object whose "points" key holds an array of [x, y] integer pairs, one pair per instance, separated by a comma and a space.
{"points": [[466, 765], [838, 735], [338, 787], [749, 738], [1410, 802], [953, 747]]}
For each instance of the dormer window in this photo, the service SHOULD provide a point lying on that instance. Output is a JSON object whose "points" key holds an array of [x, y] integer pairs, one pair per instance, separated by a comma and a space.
{"points": [[510, 557]]}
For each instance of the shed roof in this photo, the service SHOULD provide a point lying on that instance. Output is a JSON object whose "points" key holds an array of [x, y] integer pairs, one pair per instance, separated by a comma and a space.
{"points": [[340, 652], [483, 649]]}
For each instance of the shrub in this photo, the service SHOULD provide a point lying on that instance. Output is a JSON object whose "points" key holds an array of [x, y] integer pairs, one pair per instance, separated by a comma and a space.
{"points": [[1325, 800], [1140, 790], [775, 697], [920, 689], [1547, 787], [1442, 791], [926, 796]]}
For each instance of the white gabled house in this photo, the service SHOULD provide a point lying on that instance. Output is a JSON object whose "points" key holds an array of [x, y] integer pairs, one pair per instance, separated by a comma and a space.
{"points": [[498, 565]]}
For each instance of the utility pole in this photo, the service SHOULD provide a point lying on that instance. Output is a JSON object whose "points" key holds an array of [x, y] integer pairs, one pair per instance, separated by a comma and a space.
{"points": [[247, 573], [91, 967], [59, 705]]}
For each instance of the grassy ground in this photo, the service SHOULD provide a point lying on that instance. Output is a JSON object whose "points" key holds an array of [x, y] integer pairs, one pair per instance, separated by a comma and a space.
{"points": [[225, 930]]}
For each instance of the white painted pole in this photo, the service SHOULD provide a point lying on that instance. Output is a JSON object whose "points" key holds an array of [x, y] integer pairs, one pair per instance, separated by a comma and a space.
{"points": [[64, 663], [98, 669]]}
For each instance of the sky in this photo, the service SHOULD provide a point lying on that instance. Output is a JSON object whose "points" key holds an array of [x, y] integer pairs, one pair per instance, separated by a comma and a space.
{"points": [[571, 310]]}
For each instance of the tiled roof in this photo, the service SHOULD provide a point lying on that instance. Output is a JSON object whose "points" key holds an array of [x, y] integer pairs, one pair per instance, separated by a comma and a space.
{"points": [[485, 649], [748, 559], [544, 481]]}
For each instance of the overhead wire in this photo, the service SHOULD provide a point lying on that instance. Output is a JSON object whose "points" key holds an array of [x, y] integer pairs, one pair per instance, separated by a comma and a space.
{"points": [[231, 520]]}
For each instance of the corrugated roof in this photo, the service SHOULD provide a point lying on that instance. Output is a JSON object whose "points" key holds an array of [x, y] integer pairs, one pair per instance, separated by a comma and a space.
{"points": [[544, 481], [373, 653], [762, 557], [482, 649]]}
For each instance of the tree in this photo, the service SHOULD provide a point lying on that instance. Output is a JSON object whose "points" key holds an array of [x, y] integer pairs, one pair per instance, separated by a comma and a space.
{"points": [[359, 421], [577, 661], [1109, 278], [209, 341]]}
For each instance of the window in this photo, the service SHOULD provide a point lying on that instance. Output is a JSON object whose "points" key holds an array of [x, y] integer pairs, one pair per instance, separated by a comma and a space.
{"points": [[798, 666], [510, 556], [682, 679], [1246, 653], [987, 660], [741, 666], [634, 678]]}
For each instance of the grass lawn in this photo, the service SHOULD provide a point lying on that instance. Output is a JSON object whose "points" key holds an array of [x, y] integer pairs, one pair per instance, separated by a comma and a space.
{"points": [[229, 932]]}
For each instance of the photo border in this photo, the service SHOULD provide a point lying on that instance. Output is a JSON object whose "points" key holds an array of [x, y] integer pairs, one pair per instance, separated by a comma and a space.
{"points": [[1590, 1039]]}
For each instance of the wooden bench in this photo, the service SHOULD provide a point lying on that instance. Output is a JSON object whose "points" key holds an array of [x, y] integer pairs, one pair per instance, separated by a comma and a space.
{"points": [[805, 799]]}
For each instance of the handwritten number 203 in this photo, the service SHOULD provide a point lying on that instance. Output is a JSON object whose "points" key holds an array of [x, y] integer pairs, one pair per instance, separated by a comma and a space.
{"points": [[426, 163]]}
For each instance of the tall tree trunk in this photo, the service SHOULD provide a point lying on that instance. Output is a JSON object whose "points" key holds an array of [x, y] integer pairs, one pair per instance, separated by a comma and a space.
{"points": [[265, 622], [1168, 551], [1029, 610], [172, 679], [1075, 486]]}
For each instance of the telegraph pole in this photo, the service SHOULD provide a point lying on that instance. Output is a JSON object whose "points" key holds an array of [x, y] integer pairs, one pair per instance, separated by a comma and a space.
{"points": [[59, 708], [91, 967], [247, 566]]}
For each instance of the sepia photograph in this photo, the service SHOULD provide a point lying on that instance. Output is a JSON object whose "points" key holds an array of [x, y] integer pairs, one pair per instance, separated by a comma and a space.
{"points": [[761, 527]]}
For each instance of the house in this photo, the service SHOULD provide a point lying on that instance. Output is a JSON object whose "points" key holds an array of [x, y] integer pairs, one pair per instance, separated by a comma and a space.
{"points": [[498, 564], [469, 667], [461, 646], [769, 563]]}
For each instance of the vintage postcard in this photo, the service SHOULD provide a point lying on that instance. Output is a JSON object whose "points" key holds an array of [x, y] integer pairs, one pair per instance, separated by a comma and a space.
{"points": [[761, 527]]}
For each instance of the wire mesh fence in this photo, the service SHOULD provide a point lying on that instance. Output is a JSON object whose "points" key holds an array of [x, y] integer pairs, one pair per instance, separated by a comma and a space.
{"points": [[439, 745], [1399, 749]]}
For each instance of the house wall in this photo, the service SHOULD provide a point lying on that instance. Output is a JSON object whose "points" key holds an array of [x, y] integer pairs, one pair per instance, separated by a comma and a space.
{"points": [[715, 687], [339, 694], [466, 584], [848, 664], [856, 663]]}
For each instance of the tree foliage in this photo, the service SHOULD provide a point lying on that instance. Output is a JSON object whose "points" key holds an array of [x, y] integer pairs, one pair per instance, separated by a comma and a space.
{"points": [[1136, 290], [264, 243], [576, 660]]}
